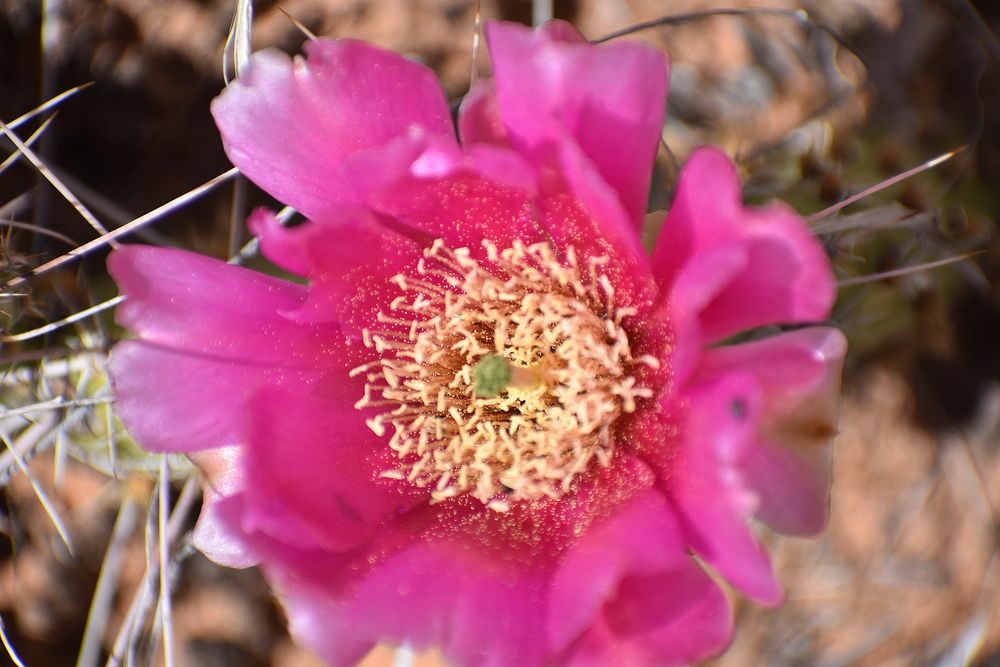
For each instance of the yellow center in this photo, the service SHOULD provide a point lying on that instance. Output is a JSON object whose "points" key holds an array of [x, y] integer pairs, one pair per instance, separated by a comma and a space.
{"points": [[553, 411]]}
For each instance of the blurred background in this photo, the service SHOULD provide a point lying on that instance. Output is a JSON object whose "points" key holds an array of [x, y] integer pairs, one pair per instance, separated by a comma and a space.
{"points": [[816, 107]]}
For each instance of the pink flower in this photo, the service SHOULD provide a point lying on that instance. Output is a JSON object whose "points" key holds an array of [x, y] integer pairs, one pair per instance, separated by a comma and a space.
{"points": [[490, 422]]}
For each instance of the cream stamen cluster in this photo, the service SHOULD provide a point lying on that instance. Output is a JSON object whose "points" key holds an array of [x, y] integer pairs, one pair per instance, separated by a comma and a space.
{"points": [[552, 320]]}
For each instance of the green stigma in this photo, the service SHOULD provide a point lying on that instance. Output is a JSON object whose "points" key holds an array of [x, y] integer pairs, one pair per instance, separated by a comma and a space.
{"points": [[491, 375]]}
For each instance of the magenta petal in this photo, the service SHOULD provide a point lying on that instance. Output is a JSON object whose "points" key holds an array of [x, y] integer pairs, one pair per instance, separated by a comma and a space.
{"points": [[579, 210], [479, 609], [420, 584], [217, 536], [463, 207], [599, 200], [319, 622], [286, 248], [552, 84], [479, 119], [186, 301], [799, 374], [314, 466], [792, 491], [162, 394], [706, 212], [217, 533], [786, 277], [642, 538], [663, 620], [696, 285], [349, 260], [718, 424], [327, 129]]}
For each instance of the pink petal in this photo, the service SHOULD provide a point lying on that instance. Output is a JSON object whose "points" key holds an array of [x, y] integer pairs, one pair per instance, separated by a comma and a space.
{"points": [[179, 401], [786, 277], [187, 301], [706, 212], [216, 535], [799, 374], [641, 539], [611, 219], [578, 209], [350, 261], [697, 285], [463, 207], [210, 334], [427, 591], [479, 120], [419, 583], [330, 128], [479, 610], [317, 621], [464, 578], [667, 619], [552, 84], [793, 492], [498, 164], [314, 467], [717, 421], [456, 575]]}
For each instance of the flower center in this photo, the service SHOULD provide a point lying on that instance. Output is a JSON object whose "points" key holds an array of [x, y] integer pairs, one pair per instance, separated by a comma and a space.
{"points": [[502, 378]]}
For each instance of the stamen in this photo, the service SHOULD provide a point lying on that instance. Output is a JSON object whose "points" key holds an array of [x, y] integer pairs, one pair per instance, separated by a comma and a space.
{"points": [[502, 378]]}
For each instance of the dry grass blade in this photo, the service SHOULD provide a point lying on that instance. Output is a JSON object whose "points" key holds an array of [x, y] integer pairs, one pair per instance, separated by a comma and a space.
{"points": [[16, 206], [30, 441], [153, 215], [131, 626], [298, 24], [104, 592], [109, 209], [541, 12], [27, 142], [7, 645], [51, 178], [248, 250], [968, 644], [166, 613], [801, 16], [889, 182], [52, 326], [109, 430], [896, 273], [887, 215], [55, 101], [237, 48], [35, 229], [47, 505], [54, 404], [477, 31], [237, 213]]}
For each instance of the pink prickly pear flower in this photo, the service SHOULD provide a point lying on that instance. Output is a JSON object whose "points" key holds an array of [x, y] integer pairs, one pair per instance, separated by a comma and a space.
{"points": [[489, 422]]}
